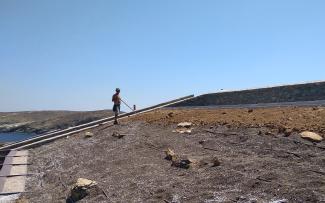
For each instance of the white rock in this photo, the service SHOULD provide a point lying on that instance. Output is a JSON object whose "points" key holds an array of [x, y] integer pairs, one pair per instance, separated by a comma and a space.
{"points": [[311, 136], [89, 134], [83, 182], [184, 125]]}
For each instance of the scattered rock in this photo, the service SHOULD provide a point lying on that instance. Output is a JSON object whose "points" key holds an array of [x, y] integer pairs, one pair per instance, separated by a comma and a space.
{"points": [[268, 133], [215, 162], [118, 135], [183, 130], [170, 114], [89, 134], [184, 125], [250, 110], [281, 129], [170, 154], [287, 132], [183, 163], [311, 136], [81, 189]]}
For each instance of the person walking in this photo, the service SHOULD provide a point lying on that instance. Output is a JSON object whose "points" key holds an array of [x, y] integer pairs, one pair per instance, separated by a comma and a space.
{"points": [[117, 104]]}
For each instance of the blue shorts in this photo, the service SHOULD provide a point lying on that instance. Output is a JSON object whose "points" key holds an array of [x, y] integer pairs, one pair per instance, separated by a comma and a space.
{"points": [[117, 108]]}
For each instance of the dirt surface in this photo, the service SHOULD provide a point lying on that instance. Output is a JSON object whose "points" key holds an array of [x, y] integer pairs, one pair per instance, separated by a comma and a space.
{"points": [[257, 163], [44, 121], [293, 118]]}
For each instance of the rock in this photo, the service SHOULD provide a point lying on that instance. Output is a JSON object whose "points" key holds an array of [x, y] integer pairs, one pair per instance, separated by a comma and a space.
{"points": [[118, 135], [83, 182], [268, 133], [184, 125], [183, 130], [182, 163], [315, 108], [81, 189], [170, 154], [89, 134], [287, 132], [281, 129], [311, 136], [170, 114], [250, 110], [215, 162]]}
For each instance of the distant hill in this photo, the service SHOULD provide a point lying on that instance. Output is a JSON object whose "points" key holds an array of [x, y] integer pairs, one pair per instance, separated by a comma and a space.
{"points": [[44, 121]]}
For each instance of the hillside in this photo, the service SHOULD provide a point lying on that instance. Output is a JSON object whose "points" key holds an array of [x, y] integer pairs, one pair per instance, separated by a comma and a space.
{"points": [[44, 121], [229, 155]]}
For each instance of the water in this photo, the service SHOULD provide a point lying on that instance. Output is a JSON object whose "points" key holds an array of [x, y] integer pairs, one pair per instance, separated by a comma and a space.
{"points": [[13, 137]]}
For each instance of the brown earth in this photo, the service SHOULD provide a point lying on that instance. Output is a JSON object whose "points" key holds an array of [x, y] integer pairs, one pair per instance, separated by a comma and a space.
{"points": [[294, 118], [257, 163]]}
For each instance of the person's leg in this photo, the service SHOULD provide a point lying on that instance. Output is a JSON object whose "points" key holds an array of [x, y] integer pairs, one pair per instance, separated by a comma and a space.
{"points": [[116, 115], [117, 112]]}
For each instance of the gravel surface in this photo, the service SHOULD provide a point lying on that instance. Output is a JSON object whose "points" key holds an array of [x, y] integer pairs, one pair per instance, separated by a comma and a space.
{"points": [[257, 162]]}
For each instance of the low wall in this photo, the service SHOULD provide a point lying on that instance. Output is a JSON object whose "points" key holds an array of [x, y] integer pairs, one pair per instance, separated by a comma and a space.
{"points": [[285, 93]]}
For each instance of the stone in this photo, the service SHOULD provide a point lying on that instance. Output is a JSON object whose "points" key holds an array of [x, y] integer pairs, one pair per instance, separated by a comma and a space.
{"points": [[83, 182], [250, 110], [117, 135], [81, 189], [89, 134], [287, 132], [183, 130], [170, 114], [268, 133], [284, 130], [170, 154], [182, 163], [215, 162], [311, 136], [184, 125]]}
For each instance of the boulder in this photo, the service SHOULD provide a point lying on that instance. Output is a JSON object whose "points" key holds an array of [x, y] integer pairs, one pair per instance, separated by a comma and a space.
{"points": [[311, 136], [81, 189]]}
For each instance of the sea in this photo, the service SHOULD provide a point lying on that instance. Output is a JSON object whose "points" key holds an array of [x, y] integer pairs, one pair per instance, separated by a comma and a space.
{"points": [[14, 137]]}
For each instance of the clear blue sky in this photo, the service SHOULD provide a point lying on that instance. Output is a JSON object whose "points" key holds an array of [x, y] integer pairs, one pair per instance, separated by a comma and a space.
{"points": [[72, 54]]}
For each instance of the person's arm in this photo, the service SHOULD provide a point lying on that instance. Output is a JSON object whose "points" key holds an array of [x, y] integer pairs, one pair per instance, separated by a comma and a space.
{"points": [[113, 98]]}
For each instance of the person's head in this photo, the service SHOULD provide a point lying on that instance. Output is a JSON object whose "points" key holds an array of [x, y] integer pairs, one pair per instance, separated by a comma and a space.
{"points": [[117, 90]]}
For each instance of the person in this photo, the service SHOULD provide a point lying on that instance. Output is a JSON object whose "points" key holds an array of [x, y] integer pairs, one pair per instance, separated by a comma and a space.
{"points": [[117, 104]]}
